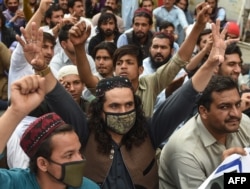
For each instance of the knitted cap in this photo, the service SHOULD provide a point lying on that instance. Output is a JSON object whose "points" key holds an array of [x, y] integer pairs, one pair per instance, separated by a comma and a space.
{"points": [[142, 10], [111, 83], [233, 29], [67, 70], [38, 131]]}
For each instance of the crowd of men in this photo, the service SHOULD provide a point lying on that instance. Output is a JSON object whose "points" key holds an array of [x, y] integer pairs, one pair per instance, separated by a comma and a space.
{"points": [[119, 94]]}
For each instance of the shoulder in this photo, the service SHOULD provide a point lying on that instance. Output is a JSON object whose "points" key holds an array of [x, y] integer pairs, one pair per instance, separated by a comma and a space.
{"points": [[89, 184]]}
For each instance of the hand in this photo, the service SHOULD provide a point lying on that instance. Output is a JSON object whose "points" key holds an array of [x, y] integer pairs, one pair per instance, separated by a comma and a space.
{"points": [[244, 87], [234, 150], [79, 33], [203, 11], [209, 44], [20, 14], [32, 46], [245, 101], [27, 93], [65, 84], [219, 46], [44, 6], [175, 84]]}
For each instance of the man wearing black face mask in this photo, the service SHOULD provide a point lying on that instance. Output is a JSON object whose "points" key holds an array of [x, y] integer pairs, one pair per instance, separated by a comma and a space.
{"points": [[14, 17], [52, 145]]}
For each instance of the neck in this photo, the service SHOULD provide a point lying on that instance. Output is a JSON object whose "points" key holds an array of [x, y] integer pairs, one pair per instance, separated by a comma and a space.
{"points": [[45, 181], [116, 138], [135, 84], [110, 38]]}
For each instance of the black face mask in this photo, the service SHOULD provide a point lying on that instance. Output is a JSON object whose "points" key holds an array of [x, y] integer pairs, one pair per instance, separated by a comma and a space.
{"points": [[72, 172]]}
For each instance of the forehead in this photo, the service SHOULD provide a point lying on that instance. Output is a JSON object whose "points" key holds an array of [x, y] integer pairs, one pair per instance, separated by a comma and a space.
{"points": [[147, 2], [226, 96], [110, 1], [119, 95], [108, 19], [57, 12], [12, 1], [233, 58], [71, 77], [127, 57], [160, 41], [141, 19], [102, 52], [48, 43], [64, 142]]}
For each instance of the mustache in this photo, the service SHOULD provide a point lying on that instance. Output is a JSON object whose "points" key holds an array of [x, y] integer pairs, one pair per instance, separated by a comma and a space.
{"points": [[233, 118], [158, 55]]}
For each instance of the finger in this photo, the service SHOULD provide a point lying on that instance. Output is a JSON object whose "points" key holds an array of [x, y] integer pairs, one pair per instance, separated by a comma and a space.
{"points": [[234, 150], [25, 34], [88, 30], [34, 32], [40, 37], [20, 40]]}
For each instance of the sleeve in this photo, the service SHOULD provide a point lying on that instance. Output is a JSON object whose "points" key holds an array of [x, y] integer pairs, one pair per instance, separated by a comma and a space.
{"points": [[64, 105], [183, 171], [182, 18], [165, 74], [16, 157], [221, 14], [19, 67], [172, 112], [122, 40]]}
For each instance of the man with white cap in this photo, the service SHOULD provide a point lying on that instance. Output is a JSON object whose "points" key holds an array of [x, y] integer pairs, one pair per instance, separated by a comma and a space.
{"points": [[69, 77]]}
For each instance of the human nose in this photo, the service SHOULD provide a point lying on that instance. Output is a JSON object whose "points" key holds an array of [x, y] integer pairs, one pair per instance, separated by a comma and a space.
{"points": [[235, 111]]}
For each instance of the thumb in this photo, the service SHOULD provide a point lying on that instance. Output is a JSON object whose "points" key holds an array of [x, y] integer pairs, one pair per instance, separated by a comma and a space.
{"points": [[88, 31]]}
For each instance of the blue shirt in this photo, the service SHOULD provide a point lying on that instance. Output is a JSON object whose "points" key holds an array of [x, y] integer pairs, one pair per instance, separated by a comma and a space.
{"points": [[25, 179], [175, 16]]}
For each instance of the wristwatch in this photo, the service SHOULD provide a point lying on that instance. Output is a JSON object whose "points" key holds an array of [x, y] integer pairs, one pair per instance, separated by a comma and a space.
{"points": [[43, 72]]}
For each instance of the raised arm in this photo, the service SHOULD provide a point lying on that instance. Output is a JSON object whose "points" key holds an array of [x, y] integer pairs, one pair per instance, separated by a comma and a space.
{"points": [[26, 94], [57, 97], [166, 113], [78, 35], [39, 14], [187, 47]]}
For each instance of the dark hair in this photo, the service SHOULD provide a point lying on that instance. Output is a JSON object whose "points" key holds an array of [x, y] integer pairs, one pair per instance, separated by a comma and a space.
{"points": [[108, 46], [233, 48], [106, 8], [105, 17], [135, 136], [217, 83], [204, 32], [71, 3], [51, 9], [186, 8], [46, 148], [164, 35], [132, 50], [143, 13], [141, 2], [63, 33], [3, 19], [165, 24], [47, 37]]}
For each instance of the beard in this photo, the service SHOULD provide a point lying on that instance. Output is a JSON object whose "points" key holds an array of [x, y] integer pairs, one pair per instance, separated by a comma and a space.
{"points": [[108, 33], [140, 35], [52, 24], [156, 64]]}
